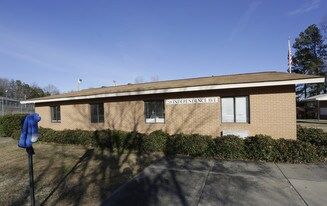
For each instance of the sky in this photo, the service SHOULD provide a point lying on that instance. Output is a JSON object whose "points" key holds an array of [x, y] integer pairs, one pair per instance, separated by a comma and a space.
{"points": [[101, 41]]}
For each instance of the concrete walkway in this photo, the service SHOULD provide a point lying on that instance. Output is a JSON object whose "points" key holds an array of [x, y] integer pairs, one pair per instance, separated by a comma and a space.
{"points": [[188, 181]]}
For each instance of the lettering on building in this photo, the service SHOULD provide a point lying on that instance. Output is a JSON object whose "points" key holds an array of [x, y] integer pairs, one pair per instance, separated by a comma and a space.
{"points": [[193, 100]]}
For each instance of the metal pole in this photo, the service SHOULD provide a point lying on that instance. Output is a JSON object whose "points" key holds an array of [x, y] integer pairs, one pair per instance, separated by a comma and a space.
{"points": [[30, 164], [2, 104], [289, 56], [6, 96]]}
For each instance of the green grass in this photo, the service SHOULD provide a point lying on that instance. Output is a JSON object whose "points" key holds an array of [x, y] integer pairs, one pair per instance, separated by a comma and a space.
{"points": [[66, 174]]}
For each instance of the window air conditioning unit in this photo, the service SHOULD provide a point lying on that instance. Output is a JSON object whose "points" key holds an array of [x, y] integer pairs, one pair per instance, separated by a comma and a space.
{"points": [[240, 133]]}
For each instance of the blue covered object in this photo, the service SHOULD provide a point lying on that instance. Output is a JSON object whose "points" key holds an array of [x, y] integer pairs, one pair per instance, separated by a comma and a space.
{"points": [[29, 133]]}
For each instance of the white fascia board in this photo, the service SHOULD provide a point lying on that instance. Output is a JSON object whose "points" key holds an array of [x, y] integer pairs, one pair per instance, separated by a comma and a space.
{"points": [[321, 98], [183, 89]]}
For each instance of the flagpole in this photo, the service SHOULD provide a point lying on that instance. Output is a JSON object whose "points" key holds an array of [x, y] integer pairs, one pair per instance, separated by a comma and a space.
{"points": [[289, 56]]}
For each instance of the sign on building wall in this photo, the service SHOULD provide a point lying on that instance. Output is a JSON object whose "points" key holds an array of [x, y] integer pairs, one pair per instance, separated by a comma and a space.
{"points": [[193, 100]]}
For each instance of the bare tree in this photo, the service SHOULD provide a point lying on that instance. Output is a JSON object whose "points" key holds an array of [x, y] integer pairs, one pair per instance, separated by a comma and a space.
{"points": [[51, 89], [4, 85], [154, 78], [138, 80]]}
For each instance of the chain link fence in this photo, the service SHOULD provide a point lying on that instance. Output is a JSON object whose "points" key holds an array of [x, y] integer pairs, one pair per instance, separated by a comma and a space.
{"points": [[12, 106]]}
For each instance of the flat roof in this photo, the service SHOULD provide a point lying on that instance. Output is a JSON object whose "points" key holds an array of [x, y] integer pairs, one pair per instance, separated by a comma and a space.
{"points": [[259, 79]]}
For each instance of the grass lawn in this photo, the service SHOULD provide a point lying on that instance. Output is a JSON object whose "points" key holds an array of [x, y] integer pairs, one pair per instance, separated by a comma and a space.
{"points": [[66, 174], [314, 123]]}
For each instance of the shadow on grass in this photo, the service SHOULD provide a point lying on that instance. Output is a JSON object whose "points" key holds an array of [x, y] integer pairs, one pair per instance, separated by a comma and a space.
{"points": [[89, 152], [101, 171]]}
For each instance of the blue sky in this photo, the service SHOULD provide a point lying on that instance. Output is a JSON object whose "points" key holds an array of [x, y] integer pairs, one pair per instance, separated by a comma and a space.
{"points": [[57, 42]]}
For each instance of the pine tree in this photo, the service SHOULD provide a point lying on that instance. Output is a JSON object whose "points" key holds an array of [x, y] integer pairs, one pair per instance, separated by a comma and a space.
{"points": [[310, 58]]}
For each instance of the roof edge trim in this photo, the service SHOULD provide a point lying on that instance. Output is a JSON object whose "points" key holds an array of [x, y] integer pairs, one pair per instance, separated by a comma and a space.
{"points": [[182, 89]]}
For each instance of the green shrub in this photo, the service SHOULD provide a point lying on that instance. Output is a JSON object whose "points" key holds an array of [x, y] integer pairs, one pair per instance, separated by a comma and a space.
{"points": [[16, 134], [293, 151], [102, 138], [125, 140], [315, 137], [47, 135], [10, 123], [76, 137], [230, 147], [80, 137], [259, 147], [194, 145], [155, 141], [303, 152], [312, 135]]}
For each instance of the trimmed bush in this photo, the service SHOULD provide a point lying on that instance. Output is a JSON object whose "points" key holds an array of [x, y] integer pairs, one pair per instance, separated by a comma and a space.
{"points": [[295, 151], [230, 147], [129, 140], [10, 124], [16, 134], [102, 138], [155, 141], [260, 147], [312, 135], [311, 148], [194, 145], [80, 137], [315, 137]]}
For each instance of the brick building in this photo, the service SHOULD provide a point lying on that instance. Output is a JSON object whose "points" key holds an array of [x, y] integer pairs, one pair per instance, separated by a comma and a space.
{"points": [[242, 104]]}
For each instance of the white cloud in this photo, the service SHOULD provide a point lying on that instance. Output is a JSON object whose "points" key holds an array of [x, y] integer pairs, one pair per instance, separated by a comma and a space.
{"points": [[313, 4]]}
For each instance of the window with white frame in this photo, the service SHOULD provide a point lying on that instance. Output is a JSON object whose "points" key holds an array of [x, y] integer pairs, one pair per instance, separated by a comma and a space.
{"points": [[55, 114], [235, 109], [154, 111], [97, 113]]}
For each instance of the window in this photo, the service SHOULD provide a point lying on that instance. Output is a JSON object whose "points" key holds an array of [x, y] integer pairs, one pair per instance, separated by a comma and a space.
{"points": [[234, 110], [97, 113], [154, 112], [55, 114]]}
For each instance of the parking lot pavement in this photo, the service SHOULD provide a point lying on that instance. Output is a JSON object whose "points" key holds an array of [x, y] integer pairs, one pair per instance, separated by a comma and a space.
{"points": [[191, 181]]}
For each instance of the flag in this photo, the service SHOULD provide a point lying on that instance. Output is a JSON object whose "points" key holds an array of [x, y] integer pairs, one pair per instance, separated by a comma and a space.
{"points": [[289, 56]]}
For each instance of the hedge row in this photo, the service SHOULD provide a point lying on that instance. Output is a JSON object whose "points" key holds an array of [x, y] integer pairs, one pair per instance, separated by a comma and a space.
{"points": [[311, 145], [259, 147], [10, 123], [316, 137]]}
